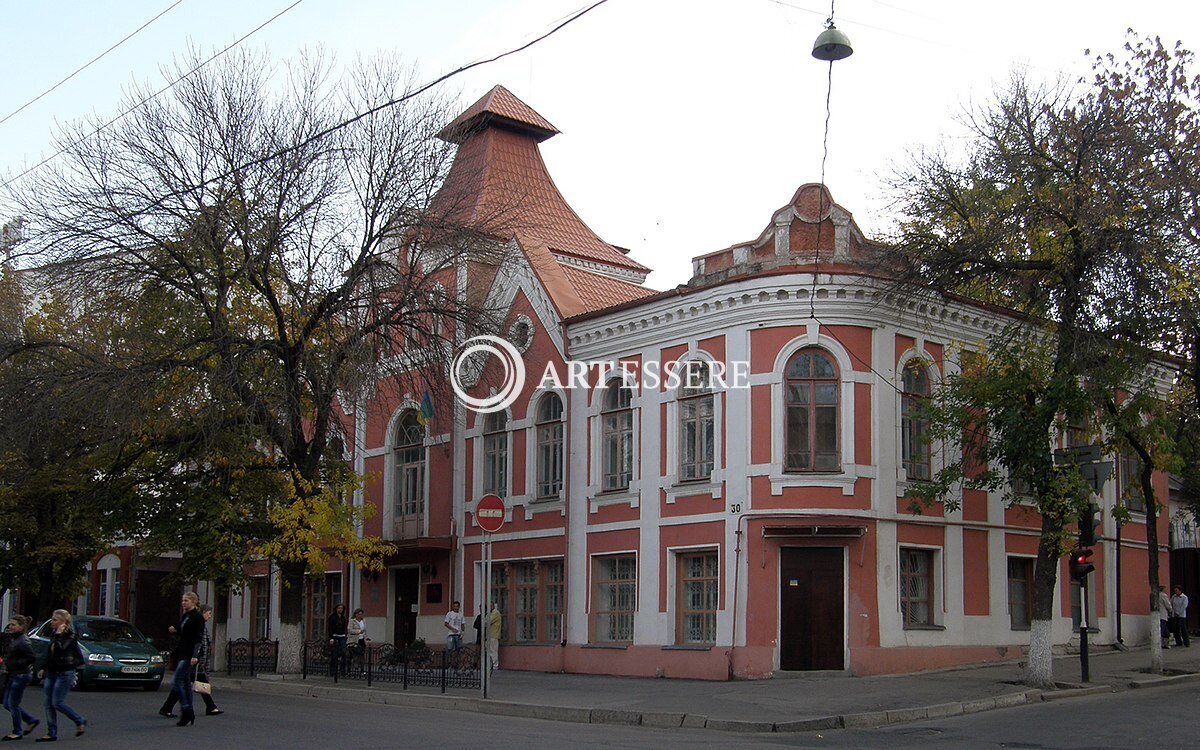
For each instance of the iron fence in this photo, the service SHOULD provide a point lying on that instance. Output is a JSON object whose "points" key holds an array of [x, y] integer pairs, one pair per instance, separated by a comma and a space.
{"points": [[417, 667], [251, 657]]}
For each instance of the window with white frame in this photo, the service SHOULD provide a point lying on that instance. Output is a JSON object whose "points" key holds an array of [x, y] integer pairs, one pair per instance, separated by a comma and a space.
{"points": [[549, 447], [616, 422], [916, 587], [1020, 592], [495, 453], [698, 594], [811, 412], [1129, 482], [914, 424], [696, 423], [409, 464], [614, 599]]}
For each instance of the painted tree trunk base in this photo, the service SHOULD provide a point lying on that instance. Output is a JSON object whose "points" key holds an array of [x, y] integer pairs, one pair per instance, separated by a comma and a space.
{"points": [[291, 647], [1156, 646], [1039, 667]]}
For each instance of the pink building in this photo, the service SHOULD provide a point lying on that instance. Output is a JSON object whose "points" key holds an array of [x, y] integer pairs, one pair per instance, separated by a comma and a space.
{"points": [[692, 531]]}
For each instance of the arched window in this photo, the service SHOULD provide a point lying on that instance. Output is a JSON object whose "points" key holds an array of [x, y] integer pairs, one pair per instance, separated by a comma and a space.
{"points": [[914, 425], [495, 453], [549, 446], [811, 419], [409, 457], [616, 420], [695, 422]]}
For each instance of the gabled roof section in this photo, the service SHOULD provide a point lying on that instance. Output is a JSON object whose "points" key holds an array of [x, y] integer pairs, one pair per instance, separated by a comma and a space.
{"points": [[498, 107], [499, 182]]}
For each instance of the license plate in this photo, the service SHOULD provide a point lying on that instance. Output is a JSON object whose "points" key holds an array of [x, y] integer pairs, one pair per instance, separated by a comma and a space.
{"points": [[134, 670]]}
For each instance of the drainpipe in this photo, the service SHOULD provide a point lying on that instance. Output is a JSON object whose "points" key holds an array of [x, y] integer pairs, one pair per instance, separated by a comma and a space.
{"points": [[567, 451], [1120, 639]]}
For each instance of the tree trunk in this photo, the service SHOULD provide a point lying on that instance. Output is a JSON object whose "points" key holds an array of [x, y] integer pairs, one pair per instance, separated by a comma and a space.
{"points": [[1039, 665], [291, 616], [1156, 655]]}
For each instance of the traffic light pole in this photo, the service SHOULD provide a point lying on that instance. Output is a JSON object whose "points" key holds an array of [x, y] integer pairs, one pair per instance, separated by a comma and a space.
{"points": [[1083, 631]]}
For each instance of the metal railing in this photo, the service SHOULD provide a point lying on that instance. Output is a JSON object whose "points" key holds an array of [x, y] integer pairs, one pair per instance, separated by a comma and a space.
{"points": [[417, 667], [251, 657]]}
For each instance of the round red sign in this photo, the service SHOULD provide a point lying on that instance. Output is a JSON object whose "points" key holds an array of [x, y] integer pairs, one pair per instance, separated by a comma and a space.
{"points": [[489, 513]]}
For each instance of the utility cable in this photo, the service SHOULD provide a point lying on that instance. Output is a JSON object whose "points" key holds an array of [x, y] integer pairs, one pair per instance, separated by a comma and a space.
{"points": [[149, 98], [88, 64]]}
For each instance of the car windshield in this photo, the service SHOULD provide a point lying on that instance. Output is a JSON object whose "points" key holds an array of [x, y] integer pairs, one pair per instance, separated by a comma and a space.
{"points": [[108, 630]]}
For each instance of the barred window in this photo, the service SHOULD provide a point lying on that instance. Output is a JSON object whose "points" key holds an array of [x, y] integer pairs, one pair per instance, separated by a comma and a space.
{"points": [[698, 597], [916, 587], [615, 598]]}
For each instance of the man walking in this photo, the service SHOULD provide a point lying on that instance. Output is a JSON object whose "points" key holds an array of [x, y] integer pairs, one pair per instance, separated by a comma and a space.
{"points": [[454, 627], [1179, 605]]}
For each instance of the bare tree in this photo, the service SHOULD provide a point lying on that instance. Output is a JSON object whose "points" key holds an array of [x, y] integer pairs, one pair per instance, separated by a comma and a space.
{"points": [[270, 255]]}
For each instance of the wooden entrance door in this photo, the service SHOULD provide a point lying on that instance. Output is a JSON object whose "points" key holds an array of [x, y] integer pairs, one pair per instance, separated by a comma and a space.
{"points": [[812, 607], [406, 583]]}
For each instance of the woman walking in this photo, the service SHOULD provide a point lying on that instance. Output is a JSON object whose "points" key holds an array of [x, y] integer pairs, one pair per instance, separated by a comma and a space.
{"points": [[61, 660], [337, 639], [19, 664], [202, 670], [186, 655]]}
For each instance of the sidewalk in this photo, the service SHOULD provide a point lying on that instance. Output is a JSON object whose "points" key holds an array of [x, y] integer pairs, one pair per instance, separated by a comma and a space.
{"points": [[783, 704]]}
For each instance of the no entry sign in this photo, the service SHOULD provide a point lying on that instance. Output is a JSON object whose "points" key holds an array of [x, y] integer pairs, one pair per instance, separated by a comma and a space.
{"points": [[489, 513]]}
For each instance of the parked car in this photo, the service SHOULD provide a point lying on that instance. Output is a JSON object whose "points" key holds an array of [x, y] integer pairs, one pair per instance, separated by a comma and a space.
{"points": [[114, 653]]}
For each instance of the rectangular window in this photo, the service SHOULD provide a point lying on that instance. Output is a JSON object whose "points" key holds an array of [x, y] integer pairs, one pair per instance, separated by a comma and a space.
{"points": [[260, 592], [1129, 482], [527, 601], [916, 587], [698, 594], [550, 460], [914, 430], [103, 609], [618, 450], [410, 480], [614, 599], [1020, 592], [696, 438], [552, 578], [495, 463], [499, 593]]}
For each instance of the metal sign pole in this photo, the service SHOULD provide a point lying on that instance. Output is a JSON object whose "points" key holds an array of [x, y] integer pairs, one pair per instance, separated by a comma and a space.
{"points": [[484, 612], [1083, 631]]}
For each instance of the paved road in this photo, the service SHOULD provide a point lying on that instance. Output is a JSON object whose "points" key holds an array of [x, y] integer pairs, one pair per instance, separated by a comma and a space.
{"points": [[1146, 720]]}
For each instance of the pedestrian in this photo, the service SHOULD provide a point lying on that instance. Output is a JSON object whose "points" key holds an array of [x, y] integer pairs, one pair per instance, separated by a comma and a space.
{"points": [[357, 630], [1179, 605], [18, 663], [454, 628], [62, 658], [478, 625], [186, 656], [1164, 617], [493, 644], [338, 635], [203, 668]]}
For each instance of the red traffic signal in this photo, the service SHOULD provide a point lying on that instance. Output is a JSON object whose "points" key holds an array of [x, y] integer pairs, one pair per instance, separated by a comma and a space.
{"points": [[1080, 565]]}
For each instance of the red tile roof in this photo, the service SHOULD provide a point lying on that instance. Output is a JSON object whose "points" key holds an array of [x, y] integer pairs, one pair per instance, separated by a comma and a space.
{"points": [[597, 292], [500, 184], [498, 103]]}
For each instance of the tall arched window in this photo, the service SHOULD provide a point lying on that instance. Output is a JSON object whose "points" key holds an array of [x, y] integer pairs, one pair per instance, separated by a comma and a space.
{"points": [[616, 420], [811, 403], [495, 453], [695, 422], [914, 425], [549, 446], [409, 458]]}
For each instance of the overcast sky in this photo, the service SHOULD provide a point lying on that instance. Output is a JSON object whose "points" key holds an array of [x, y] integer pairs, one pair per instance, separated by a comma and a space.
{"points": [[685, 123]]}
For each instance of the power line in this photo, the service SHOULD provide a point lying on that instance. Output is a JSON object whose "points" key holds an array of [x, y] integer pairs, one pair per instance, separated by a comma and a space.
{"points": [[88, 64], [332, 128], [149, 98]]}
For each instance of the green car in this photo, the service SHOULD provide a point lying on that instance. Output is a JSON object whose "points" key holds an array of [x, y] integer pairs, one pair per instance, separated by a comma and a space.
{"points": [[114, 653]]}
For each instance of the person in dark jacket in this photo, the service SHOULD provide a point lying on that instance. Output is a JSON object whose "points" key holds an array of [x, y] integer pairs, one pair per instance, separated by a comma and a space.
{"points": [[62, 659], [186, 656], [338, 636], [202, 670], [18, 662]]}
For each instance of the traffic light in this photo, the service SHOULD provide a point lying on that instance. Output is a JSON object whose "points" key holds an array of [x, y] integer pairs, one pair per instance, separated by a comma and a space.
{"points": [[1089, 520], [1080, 565]]}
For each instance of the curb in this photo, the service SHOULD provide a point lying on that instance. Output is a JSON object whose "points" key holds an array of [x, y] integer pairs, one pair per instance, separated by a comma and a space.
{"points": [[671, 720], [1154, 682]]}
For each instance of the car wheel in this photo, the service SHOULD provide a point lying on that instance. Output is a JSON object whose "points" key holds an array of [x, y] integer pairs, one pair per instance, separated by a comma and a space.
{"points": [[151, 687]]}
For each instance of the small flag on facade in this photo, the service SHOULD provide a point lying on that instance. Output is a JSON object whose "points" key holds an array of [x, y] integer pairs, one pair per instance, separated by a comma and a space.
{"points": [[426, 413]]}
